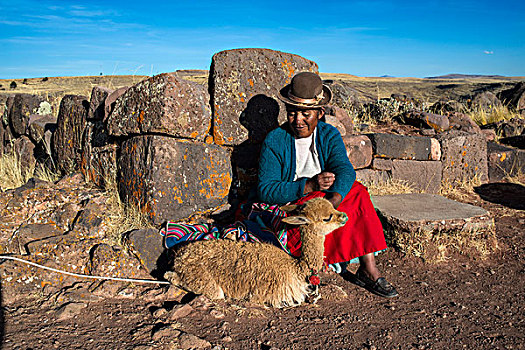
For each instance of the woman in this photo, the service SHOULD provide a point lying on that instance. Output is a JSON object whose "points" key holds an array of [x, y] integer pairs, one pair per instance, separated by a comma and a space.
{"points": [[306, 158]]}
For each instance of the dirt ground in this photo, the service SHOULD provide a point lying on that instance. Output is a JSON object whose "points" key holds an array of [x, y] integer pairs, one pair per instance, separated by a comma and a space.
{"points": [[462, 303]]}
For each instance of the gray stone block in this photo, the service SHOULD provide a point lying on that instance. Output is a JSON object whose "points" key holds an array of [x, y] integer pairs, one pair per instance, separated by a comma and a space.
{"points": [[434, 227], [504, 161], [163, 104], [172, 179], [421, 175], [147, 245], [97, 102], [237, 77], [382, 164], [66, 144], [370, 175], [39, 124], [402, 147], [24, 105], [464, 156]]}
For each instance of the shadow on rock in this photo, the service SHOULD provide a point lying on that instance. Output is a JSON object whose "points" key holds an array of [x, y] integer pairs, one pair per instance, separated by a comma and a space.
{"points": [[508, 194], [260, 116]]}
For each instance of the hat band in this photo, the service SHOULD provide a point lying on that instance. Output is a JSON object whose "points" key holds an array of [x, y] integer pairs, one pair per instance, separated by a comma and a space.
{"points": [[314, 100]]}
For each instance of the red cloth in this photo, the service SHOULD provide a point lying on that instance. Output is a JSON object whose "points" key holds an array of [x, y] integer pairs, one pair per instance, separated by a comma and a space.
{"points": [[362, 234]]}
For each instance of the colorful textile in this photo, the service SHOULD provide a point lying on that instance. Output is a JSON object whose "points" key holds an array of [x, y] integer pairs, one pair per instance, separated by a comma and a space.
{"points": [[362, 234], [262, 224]]}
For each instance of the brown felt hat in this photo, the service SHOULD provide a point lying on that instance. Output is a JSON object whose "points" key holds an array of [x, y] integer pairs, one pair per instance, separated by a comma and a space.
{"points": [[306, 90]]}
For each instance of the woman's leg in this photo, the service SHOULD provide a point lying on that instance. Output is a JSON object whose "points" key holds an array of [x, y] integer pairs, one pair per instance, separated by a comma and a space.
{"points": [[369, 267]]}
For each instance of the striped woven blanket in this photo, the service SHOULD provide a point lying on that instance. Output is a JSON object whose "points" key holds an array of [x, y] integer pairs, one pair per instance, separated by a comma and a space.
{"points": [[261, 224]]}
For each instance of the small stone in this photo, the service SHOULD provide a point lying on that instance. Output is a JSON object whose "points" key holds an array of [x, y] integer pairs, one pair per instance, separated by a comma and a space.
{"points": [[70, 310], [160, 312], [227, 338], [217, 314], [190, 341], [427, 132], [181, 311], [174, 293], [166, 333]]}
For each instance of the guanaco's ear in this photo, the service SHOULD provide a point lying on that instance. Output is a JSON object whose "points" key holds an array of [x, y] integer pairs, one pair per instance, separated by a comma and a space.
{"points": [[296, 220], [291, 207]]}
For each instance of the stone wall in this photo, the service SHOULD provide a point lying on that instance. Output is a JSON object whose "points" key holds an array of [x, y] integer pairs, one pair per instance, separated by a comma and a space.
{"points": [[175, 148]]}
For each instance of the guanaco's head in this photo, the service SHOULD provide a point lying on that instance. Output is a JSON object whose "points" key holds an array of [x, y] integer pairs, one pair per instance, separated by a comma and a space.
{"points": [[318, 213]]}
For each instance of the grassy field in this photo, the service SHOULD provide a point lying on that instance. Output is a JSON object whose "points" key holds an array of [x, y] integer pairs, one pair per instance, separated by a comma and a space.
{"points": [[427, 90]]}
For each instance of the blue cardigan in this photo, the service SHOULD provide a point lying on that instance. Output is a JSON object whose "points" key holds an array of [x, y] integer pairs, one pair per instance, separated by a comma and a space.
{"points": [[277, 165]]}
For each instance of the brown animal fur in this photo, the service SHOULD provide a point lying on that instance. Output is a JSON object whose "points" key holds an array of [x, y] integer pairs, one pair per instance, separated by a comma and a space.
{"points": [[258, 272]]}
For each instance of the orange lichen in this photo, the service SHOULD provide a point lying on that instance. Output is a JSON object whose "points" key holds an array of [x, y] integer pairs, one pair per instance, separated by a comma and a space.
{"points": [[503, 156], [250, 81], [140, 118], [217, 137], [289, 70], [194, 134]]}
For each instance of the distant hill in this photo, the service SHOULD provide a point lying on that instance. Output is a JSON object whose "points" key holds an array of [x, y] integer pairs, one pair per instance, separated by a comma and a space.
{"points": [[465, 76]]}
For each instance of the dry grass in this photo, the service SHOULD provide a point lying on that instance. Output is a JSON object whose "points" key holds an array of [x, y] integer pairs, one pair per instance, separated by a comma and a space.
{"points": [[435, 247], [496, 114], [13, 174], [122, 217], [517, 176], [460, 189], [391, 186]]}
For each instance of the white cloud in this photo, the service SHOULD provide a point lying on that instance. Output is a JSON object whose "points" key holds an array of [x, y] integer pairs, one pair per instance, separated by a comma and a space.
{"points": [[486, 52]]}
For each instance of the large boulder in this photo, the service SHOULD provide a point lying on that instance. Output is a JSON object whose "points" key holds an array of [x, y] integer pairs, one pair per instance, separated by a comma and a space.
{"points": [[359, 150], [24, 105], [237, 77], [463, 122], [96, 109], [514, 97], [172, 179], [99, 156], [340, 116], [486, 101], [25, 151], [504, 161], [163, 104], [437, 122], [464, 156], [67, 139]]}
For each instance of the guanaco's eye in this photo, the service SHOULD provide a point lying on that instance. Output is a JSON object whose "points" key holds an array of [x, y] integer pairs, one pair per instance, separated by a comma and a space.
{"points": [[329, 218]]}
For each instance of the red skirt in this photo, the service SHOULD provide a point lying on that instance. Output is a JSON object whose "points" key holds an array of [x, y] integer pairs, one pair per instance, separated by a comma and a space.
{"points": [[362, 233]]}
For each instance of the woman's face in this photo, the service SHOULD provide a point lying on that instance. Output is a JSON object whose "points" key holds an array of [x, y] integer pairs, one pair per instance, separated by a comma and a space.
{"points": [[303, 121]]}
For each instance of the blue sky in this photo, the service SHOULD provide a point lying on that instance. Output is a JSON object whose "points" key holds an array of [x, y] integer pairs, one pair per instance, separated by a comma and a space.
{"points": [[367, 38]]}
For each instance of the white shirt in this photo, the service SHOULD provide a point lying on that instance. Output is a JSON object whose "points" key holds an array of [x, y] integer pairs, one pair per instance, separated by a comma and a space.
{"points": [[306, 157]]}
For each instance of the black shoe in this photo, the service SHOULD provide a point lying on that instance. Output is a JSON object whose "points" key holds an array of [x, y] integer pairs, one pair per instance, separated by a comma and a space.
{"points": [[379, 287]]}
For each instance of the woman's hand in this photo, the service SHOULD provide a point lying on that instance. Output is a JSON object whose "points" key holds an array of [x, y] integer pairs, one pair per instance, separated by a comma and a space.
{"points": [[334, 198], [319, 182]]}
